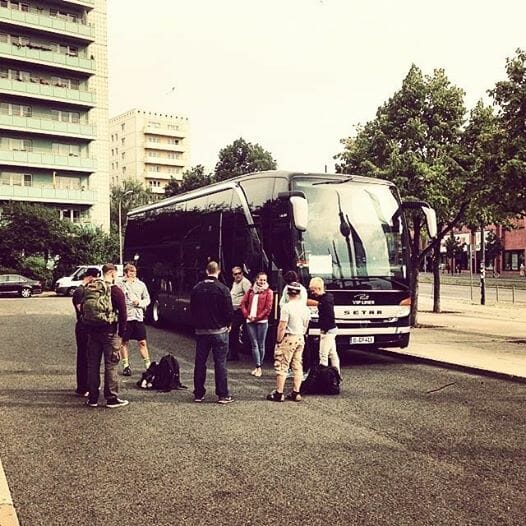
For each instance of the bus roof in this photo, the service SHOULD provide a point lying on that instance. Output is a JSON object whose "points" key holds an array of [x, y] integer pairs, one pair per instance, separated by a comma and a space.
{"points": [[230, 183]]}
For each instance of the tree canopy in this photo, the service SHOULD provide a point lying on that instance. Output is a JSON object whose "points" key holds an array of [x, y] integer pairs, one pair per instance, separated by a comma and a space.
{"points": [[193, 178], [242, 157]]}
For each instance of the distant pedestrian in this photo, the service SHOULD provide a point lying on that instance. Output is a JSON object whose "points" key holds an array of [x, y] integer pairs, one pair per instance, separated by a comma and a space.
{"points": [[256, 306], [137, 300], [211, 313], [81, 333], [290, 342], [104, 313], [522, 270], [326, 322], [240, 286]]}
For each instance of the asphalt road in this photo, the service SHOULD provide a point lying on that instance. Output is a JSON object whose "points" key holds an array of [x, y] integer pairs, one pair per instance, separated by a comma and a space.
{"points": [[403, 444]]}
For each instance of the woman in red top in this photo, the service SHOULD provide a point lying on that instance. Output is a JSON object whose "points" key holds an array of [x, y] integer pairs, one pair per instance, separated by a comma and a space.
{"points": [[256, 307]]}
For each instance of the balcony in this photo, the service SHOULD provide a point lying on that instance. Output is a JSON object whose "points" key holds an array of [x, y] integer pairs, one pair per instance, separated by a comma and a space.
{"points": [[164, 161], [164, 146], [47, 58], [163, 176], [44, 194], [47, 127], [153, 130], [47, 92], [48, 23], [47, 160], [90, 4]]}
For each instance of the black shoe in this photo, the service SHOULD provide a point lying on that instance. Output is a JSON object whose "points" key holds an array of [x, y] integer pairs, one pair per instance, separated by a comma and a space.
{"points": [[92, 403], [294, 396], [126, 371], [116, 402], [275, 397]]}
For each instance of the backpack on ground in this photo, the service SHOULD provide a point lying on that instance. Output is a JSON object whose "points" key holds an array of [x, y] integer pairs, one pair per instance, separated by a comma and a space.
{"points": [[97, 309], [167, 375], [322, 379]]}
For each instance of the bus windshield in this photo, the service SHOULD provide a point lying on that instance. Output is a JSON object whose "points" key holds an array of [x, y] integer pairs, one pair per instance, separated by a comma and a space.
{"points": [[355, 235]]}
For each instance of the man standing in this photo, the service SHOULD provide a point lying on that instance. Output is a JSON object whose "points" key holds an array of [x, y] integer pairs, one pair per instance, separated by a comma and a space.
{"points": [[81, 334], [290, 341], [137, 299], [211, 312], [104, 313], [239, 287]]}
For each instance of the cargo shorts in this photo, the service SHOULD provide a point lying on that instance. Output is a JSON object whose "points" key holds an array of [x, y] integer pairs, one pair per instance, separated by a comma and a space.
{"points": [[289, 354]]}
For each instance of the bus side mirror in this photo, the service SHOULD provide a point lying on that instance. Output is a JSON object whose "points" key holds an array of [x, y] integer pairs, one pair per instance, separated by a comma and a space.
{"points": [[300, 212], [431, 220], [430, 214], [300, 209]]}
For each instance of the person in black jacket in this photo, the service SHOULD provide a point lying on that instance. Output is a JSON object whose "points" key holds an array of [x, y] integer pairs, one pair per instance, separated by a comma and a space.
{"points": [[211, 312], [328, 329]]}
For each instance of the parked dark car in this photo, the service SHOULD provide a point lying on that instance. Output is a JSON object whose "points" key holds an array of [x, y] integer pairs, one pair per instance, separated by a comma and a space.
{"points": [[17, 284]]}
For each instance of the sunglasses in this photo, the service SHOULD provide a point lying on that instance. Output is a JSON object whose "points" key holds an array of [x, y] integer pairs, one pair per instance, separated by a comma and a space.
{"points": [[237, 273]]}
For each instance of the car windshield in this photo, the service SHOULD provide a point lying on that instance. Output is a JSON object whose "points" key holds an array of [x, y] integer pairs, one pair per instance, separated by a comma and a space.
{"points": [[355, 233]]}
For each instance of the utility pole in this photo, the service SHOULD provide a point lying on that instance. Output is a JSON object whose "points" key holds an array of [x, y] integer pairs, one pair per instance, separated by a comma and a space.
{"points": [[482, 267]]}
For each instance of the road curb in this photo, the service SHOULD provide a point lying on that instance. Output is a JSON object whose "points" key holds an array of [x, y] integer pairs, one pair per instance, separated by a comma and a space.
{"points": [[8, 515], [448, 365]]}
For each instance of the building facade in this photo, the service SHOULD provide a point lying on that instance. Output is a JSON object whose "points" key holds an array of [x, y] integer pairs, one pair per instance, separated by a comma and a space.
{"points": [[150, 147], [54, 107]]}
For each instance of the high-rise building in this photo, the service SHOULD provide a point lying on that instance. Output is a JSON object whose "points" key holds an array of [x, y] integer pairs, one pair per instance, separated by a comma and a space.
{"points": [[150, 147], [54, 106]]}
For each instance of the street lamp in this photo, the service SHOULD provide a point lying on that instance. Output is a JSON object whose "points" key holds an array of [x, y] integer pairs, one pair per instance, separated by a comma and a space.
{"points": [[120, 222]]}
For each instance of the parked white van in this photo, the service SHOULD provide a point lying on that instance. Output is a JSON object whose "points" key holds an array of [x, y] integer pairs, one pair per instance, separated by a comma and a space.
{"points": [[66, 286]]}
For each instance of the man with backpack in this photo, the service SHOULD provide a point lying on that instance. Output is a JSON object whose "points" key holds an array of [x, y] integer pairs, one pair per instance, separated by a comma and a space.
{"points": [[81, 334], [104, 314], [211, 312]]}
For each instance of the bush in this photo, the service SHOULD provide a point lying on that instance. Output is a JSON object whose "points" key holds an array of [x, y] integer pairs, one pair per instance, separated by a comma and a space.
{"points": [[35, 267]]}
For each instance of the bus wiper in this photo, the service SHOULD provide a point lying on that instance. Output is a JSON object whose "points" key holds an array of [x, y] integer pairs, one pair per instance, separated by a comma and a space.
{"points": [[341, 181]]}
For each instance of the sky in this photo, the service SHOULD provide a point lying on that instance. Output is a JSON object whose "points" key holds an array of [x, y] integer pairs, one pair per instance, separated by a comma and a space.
{"points": [[297, 76]]}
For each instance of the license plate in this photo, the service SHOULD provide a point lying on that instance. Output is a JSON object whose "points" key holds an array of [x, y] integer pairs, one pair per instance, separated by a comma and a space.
{"points": [[362, 339]]}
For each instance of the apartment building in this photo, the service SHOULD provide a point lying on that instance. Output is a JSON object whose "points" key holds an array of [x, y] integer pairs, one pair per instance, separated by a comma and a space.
{"points": [[54, 107], [148, 146]]}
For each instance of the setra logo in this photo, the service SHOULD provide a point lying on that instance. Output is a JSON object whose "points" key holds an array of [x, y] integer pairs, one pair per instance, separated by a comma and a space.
{"points": [[362, 299]]}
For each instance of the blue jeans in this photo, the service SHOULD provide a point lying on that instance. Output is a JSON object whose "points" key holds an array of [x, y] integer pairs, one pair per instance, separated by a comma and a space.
{"points": [[257, 333], [218, 344]]}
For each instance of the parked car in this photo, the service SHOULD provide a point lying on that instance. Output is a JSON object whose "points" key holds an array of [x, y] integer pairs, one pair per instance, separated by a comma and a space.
{"points": [[17, 284], [66, 286]]}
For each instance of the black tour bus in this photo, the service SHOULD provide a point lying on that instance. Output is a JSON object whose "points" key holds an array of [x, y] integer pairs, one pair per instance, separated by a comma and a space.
{"points": [[348, 230]]}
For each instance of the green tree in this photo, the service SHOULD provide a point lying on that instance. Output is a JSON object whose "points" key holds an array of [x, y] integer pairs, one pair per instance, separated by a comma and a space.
{"points": [[193, 178], [29, 229], [414, 141], [131, 194], [240, 158], [493, 247], [510, 97]]}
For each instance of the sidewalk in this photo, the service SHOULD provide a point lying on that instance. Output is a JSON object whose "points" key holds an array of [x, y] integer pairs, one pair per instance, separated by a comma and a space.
{"points": [[484, 339]]}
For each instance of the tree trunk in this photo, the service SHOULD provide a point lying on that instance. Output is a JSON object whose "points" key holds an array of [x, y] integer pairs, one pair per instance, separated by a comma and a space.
{"points": [[414, 272], [436, 279]]}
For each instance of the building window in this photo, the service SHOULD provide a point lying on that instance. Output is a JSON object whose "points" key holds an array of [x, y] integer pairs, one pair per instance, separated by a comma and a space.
{"points": [[122, 126], [123, 170], [16, 179], [173, 141], [123, 155], [123, 140]]}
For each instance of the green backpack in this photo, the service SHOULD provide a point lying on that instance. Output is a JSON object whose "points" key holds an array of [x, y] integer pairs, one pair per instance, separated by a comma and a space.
{"points": [[97, 309]]}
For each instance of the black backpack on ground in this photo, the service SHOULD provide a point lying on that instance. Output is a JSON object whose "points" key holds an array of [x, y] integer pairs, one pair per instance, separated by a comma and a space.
{"points": [[148, 377], [322, 379], [162, 376]]}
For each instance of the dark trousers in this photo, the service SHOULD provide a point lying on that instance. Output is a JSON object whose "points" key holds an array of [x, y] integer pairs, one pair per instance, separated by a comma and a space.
{"points": [[233, 336], [218, 344], [101, 344], [81, 336]]}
